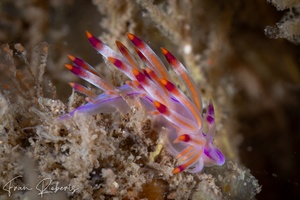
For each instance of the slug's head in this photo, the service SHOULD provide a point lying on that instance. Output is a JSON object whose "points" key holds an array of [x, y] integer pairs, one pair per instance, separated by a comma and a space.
{"points": [[194, 150]]}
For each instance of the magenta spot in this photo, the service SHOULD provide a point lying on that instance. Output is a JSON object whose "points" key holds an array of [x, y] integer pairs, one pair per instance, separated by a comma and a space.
{"points": [[181, 167], [96, 43], [210, 119], [186, 138], [78, 61], [210, 109], [76, 70], [140, 77], [137, 41], [161, 108], [215, 155], [118, 64], [146, 74], [141, 55], [170, 57]]}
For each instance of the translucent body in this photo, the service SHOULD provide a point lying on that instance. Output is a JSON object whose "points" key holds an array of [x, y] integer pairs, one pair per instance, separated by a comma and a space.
{"points": [[176, 117]]}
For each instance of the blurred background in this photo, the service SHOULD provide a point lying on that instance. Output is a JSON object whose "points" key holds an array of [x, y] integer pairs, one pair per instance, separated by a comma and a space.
{"points": [[243, 55]]}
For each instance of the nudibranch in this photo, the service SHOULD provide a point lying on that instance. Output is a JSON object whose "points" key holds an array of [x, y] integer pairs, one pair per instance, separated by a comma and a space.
{"points": [[180, 119]]}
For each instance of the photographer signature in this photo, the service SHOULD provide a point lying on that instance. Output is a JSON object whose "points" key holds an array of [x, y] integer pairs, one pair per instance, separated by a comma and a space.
{"points": [[45, 186]]}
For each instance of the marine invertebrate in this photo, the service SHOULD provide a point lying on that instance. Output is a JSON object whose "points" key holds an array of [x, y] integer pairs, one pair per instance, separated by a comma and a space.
{"points": [[178, 118]]}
